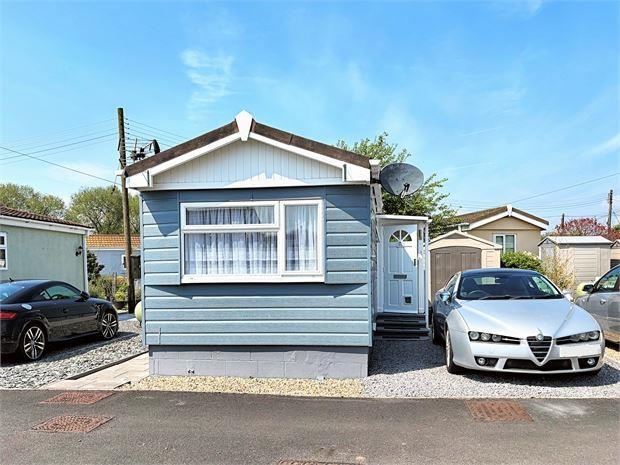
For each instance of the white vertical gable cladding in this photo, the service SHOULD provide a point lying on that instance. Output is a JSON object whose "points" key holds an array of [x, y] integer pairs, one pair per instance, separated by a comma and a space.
{"points": [[248, 164]]}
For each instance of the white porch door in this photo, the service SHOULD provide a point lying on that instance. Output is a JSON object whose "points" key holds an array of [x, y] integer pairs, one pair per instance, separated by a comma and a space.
{"points": [[400, 271]]}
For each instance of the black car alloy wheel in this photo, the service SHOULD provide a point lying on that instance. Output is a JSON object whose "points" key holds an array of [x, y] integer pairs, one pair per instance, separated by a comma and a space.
{"points": [[32, 343], [109, 325]]}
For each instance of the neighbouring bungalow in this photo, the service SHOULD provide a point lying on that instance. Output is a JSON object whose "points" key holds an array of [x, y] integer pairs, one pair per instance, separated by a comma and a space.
{"points": [[513, 229], [265, 254], [587, 257], [36, 246], [110, 252]]}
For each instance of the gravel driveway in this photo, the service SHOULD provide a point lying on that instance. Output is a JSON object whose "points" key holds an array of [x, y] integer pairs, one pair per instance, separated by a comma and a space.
{"points": [[70, 358], [417, 369]]}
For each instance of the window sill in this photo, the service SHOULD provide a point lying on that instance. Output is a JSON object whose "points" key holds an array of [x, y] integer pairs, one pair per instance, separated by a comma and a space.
{"points": [[269, 279]]}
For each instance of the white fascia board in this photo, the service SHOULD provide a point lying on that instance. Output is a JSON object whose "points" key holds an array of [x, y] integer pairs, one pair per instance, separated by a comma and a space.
{"points": [[354, 173], [139, 181], [529, 220], [464, 235], [34, 224], [404, 218], [189, 156], [506, 214], [145, 179]]}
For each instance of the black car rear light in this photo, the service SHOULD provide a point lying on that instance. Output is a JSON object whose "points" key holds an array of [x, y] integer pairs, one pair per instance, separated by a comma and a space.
{"points": [[7, 315]]}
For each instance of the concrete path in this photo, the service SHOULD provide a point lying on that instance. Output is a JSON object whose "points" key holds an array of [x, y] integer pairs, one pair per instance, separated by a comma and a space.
{"points": [[132, 370], [197, 428]]}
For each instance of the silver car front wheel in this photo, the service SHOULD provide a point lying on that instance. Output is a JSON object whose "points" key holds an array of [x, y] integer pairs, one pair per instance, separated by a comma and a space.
{"points": [[450, 365]]}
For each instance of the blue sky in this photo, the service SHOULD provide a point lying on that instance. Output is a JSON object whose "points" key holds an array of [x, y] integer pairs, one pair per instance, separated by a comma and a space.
{"points": [[505, 99]]}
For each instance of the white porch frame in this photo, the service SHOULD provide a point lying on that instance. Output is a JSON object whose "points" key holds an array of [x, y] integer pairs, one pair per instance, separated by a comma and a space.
{"points": [[423, 258]]}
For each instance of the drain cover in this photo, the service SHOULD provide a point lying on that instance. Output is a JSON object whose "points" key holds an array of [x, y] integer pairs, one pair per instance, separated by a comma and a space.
{"points": [[498, 410], [310, 462], [71, 424], [78, 397]]}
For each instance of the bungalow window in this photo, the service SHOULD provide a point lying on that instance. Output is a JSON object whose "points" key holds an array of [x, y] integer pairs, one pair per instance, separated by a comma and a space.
{"points": [[252, 241], [507, 241], [3, 252]]}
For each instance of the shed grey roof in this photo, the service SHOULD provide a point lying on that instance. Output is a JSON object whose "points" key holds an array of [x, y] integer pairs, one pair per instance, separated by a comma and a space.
{"points": [[577, 240]]}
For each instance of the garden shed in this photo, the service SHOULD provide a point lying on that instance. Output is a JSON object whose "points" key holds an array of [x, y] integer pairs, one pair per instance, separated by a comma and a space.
{"points": [[458, 251], [587, 257]]}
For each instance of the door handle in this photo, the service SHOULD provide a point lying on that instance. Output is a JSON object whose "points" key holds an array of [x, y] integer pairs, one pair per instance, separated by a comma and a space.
{"points": [[65, 310], [603, 301]]}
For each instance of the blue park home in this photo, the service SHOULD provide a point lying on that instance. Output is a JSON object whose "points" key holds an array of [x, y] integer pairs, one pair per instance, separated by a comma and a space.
{"points": [[265, 254]]}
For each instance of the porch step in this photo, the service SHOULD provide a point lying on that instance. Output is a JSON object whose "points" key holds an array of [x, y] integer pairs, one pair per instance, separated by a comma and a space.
{"points": [[400, 326]]}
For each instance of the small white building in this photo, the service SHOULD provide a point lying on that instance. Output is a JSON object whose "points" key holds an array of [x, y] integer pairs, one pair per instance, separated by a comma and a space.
{"points": [[588, 257]]}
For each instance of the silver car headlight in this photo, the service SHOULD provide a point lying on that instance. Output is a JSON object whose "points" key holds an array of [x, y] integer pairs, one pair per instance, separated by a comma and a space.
{"points": [[579, 337], [488, 337]]}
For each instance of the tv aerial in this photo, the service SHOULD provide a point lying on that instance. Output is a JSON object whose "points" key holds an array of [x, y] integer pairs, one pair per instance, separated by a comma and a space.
{"points": [[401, 179], [138, 153]]}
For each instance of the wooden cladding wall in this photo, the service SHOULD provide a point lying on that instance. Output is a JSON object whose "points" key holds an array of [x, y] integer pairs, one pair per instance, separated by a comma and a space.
{"points": [[335, 312]]}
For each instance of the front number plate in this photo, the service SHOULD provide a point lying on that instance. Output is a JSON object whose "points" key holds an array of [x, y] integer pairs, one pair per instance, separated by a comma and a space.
{"points": [[581, 350]]}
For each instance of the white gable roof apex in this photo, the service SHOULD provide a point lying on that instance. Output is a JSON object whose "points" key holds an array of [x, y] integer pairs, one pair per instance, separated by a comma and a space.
{"points": [[244, 123], [509, 208]]}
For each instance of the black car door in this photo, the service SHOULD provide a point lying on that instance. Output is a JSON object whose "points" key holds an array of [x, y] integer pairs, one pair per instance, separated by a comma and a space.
{"points": [[52, 312], [80, 315]]}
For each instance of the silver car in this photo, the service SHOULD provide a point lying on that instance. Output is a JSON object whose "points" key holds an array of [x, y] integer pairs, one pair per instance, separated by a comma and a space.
{"points": [[603, 302], [507, 320]]}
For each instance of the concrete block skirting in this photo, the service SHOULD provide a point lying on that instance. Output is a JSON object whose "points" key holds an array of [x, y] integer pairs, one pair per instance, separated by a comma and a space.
{"points": [[260, 361]]}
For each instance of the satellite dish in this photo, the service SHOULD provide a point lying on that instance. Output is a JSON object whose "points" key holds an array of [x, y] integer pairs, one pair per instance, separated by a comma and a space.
{"points": [[401, 179]]}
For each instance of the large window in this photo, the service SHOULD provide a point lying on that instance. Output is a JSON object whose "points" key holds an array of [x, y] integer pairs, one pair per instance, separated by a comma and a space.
{"points": [[507, 241], [253, 241], [4, 265]]}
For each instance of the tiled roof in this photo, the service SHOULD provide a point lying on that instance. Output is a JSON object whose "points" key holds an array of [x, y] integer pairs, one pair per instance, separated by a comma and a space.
{"points": [[479, 215], [13, 213], [110, 241]]}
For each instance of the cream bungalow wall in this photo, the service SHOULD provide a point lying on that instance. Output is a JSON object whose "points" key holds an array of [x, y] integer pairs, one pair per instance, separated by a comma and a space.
{"points": [[527, 235]]}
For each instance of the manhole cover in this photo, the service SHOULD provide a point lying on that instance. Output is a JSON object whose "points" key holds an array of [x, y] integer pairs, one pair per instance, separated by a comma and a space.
{"points": [[79, 397], [498, 410], [71, 424], [310, 462]]}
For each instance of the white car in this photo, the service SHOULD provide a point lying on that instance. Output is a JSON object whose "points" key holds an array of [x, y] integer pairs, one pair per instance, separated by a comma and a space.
{"points": [[508, 320]]}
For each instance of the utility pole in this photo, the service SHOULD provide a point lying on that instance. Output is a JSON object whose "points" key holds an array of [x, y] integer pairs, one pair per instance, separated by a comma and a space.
{"points": [[610, 201], [562, 224], [131, 300]]}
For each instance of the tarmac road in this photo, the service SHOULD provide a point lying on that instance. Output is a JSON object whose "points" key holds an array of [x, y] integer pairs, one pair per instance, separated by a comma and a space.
{"points": [[200, 428]]}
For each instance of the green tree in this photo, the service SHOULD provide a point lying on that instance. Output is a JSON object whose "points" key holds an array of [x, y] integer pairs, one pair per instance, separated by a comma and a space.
{"points": [[429, 200], [22, 197], [93, 266], [102, 208]]}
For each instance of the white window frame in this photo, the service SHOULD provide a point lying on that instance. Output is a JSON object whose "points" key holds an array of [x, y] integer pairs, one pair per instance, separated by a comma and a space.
{"points": [[5, 247], [503, 235], [278, 226]]}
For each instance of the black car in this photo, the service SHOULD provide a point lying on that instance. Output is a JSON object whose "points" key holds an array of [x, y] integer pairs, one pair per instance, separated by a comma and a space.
{"points": [[35, 312]]}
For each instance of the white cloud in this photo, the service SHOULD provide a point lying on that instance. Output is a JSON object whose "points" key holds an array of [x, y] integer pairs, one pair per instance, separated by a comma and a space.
{"points": [[524, 8], [356, 82], [212, 75], [610, 145]]}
